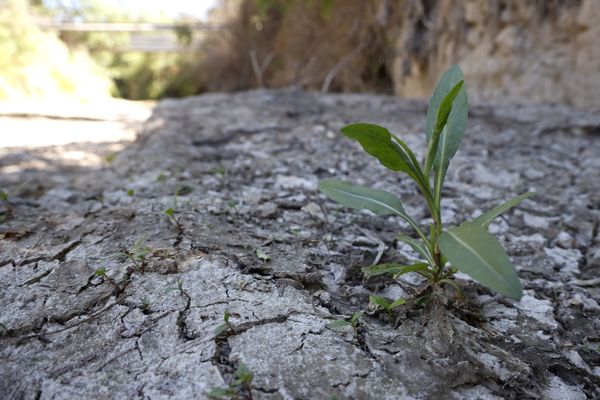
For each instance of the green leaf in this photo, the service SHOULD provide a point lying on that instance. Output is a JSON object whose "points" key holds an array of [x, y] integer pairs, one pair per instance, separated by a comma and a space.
{"points": [[472, 250], [243, 374], [394, 269], [450, 95], [355, 317], [486, 218], [220, 392], [379, 202], [397, 303], [417, 246], [340, 323], [380, 301], [443, 112], [377, 141], [262, 256], [220, 329]]}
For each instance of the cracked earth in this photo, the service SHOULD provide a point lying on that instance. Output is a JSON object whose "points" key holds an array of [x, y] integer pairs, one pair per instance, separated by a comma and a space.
{"points": [[103, 295]]}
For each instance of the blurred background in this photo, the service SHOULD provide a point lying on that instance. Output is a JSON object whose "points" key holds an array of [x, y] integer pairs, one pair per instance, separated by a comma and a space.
{"points": [[68, 57]]}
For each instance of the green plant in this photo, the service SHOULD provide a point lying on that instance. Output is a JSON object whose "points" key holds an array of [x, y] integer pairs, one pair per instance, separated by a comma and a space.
{"points": [[240, 387], [342, 323], [386, 305], [469, 247], [170, 213], [137, 254], [226, 325], [261, 255]]}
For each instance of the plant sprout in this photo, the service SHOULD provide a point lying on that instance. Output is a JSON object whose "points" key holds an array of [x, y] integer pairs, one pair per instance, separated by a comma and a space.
{"points": [[469, 247]]}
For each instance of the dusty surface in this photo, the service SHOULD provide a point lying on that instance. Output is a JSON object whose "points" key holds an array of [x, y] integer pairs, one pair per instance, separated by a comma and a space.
{"points": [[240, 172]]}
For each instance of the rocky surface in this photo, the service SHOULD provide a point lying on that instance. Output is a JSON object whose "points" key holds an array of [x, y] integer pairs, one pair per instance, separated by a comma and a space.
{"points": [[103, 295]]}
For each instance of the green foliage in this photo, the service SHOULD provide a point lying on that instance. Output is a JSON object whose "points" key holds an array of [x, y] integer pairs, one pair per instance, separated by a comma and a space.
{"points": [[262, 256], [225, 326], [342, 323], [386, 305], [37, 65], [241, 382], [468, 248]]}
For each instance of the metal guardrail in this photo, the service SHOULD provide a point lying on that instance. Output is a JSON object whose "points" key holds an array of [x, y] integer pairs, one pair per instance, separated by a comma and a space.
{"points": [[125, 26]]}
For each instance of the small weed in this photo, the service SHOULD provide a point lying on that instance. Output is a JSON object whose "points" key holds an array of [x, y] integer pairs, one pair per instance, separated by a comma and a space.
{"points": [[240, 387], [342, 323], [261, 255], [137, 254], [145, 305], [221, 171], [179, 287], [101, 272], [161, 178], [130, 192], [469, 247], [225, 326], [110, 158], [386, 305], [170, 213], [7, 208]]}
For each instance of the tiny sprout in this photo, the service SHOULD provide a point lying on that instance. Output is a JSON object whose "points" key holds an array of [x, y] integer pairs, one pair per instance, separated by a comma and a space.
{"points": [[110, 158], [183, 190], [170, 212], [100, 272], [145, 304], [241, 383], [469, 247], [225, 326], [130, 192], [221, 171], [161, 177], [3, 196], [262, 256], [384, 304], [341, 323]]}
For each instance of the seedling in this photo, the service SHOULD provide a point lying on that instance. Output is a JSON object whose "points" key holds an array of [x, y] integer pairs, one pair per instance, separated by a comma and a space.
{"points": [[7, 208], [225, 326], [342, 323], [178, 288], [170, 213], [145, 305], [138, 254], [386, 305], [110, 158], [262, 256], [240, 388], [469, 247], [101, 272], [161, 177], [130, 192]]}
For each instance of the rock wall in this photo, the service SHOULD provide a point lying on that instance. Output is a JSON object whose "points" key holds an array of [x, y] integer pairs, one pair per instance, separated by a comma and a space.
{"points": [[515, 51], [519, 51]]}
